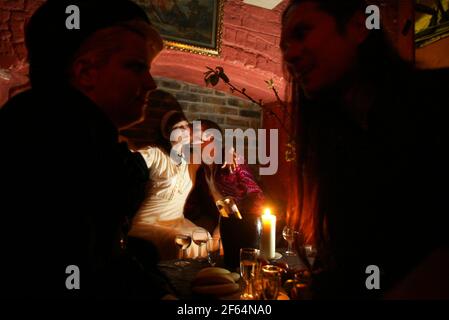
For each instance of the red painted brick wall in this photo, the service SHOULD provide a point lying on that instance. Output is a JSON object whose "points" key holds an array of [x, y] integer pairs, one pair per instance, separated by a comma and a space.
{"points": [[250, 51], [250, 55], [197, 103], [13, 14], [250, 45]]}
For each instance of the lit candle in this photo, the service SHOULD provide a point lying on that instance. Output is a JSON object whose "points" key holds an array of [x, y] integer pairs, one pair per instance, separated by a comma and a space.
{"points": [[268, 237]]}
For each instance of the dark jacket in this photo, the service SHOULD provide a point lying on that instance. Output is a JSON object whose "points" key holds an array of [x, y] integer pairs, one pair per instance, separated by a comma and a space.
{"points": [[384, 187], [66, 188]]}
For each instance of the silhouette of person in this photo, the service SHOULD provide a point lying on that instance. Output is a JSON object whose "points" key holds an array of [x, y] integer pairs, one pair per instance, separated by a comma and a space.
{"points": [[66, 182]]}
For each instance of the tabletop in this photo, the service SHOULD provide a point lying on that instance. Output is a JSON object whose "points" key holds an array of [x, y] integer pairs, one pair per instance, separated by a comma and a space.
{"points": [[180, 278]]}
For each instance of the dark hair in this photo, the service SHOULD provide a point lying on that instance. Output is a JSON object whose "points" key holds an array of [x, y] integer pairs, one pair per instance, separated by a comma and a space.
{"points": [[376, 51], [173, 118], [377, 59], [51, 45], [341, 10], [208, 124]]}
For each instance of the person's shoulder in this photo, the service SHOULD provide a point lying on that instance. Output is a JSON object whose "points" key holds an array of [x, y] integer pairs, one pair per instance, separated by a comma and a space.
{"points": [[22, 113], [440, 73], [433, 84], [42, 105], [153, 155], [154, 149], [17, 103], [431, 79]]}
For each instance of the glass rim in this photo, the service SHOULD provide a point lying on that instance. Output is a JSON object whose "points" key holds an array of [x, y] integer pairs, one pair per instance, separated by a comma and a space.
{"points": [[270, 268]]}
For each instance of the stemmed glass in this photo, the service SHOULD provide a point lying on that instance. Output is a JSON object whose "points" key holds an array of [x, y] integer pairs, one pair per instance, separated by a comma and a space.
{"points": [[182, 241], [200, 237], [248, 271], [289, 235]]}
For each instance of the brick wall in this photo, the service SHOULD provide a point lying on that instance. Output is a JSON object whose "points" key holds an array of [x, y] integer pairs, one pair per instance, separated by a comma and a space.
{"points": [[13, 14], [250, 46], [196, 102], [249, 53], [221, 107], [13, 69]]}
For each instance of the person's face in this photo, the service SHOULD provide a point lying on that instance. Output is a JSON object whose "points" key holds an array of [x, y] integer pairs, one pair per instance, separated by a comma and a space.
{"points": [[181, 133], [318, 54], [121, 85]]}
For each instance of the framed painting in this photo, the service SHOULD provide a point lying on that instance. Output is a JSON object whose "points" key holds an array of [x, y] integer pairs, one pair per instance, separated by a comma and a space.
{"points": [[188, 25], [431, 21]]}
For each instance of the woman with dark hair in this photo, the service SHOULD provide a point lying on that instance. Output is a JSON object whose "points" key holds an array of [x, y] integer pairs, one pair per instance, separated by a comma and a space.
{"points": [[214, 183], [364, 133], [238, 183]]}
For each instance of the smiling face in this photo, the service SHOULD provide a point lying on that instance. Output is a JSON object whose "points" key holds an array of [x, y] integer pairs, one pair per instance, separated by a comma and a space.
{"points": [[317, 53]]}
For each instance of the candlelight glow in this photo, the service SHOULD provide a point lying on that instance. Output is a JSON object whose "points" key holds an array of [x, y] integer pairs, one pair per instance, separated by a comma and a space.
{"points": [[267, 212], [268, 236]]}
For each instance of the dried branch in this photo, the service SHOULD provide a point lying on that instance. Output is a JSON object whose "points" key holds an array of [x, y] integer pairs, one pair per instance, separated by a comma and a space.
{"points": [[213, 76]]}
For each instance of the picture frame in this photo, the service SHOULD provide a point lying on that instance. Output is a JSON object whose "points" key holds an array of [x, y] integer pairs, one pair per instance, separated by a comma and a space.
{"points": [[431, 21], [188, 25]]}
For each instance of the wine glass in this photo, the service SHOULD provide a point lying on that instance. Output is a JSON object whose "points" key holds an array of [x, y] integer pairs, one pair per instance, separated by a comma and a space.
{"points": [[182, 241], [248, 271], [200, 237], [289, 235]]}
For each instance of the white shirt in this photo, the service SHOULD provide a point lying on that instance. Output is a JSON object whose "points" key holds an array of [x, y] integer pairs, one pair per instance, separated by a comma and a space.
{"points": [[160, 216]]}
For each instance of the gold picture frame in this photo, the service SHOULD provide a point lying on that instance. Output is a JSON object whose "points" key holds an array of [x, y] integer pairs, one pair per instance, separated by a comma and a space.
{"points": [[193, 26], [431, 21]]}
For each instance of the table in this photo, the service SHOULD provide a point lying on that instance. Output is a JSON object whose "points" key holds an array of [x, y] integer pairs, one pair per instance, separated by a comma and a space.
{"points": [[180, 278]]}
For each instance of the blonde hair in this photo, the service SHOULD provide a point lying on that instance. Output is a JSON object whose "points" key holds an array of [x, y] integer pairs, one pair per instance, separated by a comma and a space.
{"points": [[103, 43]]}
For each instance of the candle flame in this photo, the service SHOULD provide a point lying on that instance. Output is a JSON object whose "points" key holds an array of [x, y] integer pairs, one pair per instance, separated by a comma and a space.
{"points": [[267, 212]]}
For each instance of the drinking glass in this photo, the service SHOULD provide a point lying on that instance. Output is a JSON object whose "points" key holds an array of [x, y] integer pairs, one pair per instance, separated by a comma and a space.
{"points": [[200, 237], [182, 241], [213, 250], [271, 281], [289, 235], [310, 252], [248, 271]]}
